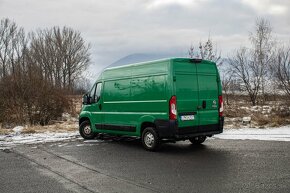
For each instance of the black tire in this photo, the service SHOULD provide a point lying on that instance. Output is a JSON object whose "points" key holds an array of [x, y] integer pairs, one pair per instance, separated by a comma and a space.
{"points": [[86, 130], [197, 140], [150, 139]]}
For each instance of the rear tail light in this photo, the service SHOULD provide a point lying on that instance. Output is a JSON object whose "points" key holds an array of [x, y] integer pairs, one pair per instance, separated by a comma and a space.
{"points": [[221, 106], [172, 108]]}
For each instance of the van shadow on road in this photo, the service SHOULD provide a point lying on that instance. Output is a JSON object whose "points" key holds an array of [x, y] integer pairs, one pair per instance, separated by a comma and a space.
{"points": [[165, 147]]}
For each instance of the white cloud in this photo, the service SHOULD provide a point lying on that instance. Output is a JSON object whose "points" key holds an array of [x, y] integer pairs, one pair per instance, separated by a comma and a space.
{"points": [[163, 3], [277, 9], [267, 6], [119, 28]]}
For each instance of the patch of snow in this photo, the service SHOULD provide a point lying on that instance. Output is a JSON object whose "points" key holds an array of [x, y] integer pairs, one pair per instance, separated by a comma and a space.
{"points": [[66, 116], [269, 134], [18, 129], [87, 144], [255, 108], [93, 141], [13, 139], [61, 145], [265, 107]]}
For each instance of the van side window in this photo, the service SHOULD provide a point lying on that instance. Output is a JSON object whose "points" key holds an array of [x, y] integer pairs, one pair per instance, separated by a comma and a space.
{"points": [[98, 92]]}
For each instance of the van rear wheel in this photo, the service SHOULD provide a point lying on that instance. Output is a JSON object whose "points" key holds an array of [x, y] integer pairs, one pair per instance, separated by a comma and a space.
{"points": [[197, 140], [150, 139], [86, 130]]}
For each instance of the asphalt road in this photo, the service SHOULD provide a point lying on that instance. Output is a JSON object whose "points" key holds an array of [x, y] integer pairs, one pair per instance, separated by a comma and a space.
{"points": [[122, 165]]}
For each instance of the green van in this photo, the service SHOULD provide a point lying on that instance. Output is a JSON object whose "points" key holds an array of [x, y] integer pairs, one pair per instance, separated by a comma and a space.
{"points": [[164, 100]]}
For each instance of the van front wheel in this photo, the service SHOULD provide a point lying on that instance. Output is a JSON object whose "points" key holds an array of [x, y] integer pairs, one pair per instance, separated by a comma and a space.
{"points": [[197, 140], [150, 139], [86, 130]]}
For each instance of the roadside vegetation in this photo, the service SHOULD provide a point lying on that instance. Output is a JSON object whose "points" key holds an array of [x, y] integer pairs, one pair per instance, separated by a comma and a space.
{"points": [[38, 72], [240, 112]]}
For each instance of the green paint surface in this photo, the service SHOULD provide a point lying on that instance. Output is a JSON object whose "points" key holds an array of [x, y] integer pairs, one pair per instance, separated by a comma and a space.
{"points": [[133, 94]]}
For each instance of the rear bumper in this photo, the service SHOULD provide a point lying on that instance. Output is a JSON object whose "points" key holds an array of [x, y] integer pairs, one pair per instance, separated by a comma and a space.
{"points": [[168, 129]]}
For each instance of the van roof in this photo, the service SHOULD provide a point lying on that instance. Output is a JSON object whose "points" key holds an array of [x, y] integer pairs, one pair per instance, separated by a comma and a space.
{"points": [[159, 60]]}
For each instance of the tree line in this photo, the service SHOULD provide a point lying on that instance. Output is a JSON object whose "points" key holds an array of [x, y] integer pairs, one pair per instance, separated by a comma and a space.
{"points": [[258, 70], [37, 70]]}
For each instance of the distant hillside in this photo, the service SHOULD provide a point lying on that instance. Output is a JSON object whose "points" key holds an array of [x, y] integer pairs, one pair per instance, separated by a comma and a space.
{"points": [[135, 58]]}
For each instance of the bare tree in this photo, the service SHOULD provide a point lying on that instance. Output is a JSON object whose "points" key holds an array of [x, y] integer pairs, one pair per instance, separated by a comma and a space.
{"points": [[262, 50], [61, 54], [206, 51], [9, 35], [281, 69], [191, 52], [248, 72], [251, 65], [226, 80]]}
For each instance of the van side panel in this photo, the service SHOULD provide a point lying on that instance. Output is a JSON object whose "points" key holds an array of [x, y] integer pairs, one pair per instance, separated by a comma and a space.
{"points": [[127, 100]]}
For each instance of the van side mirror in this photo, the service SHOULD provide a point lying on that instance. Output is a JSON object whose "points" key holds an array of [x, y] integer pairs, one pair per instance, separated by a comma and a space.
{"points": [[86, 99]]}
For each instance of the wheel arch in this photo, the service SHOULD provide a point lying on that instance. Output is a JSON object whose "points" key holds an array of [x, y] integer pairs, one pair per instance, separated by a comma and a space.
{"points": [[146, 121], [82, 119], [144, 125]]}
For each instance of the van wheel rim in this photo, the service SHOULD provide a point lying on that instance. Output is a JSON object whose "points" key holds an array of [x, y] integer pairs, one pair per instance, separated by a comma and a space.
{"points": [[149, 139], [87, 130]]}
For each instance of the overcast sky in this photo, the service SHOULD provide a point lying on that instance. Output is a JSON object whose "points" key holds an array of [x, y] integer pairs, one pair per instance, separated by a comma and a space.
{"points": [[116, 28]]}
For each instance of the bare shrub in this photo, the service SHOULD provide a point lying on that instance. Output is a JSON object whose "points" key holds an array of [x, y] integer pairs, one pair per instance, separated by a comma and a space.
{"points": [[260, 120], [37, 73], [30, 100], [233, 111]]}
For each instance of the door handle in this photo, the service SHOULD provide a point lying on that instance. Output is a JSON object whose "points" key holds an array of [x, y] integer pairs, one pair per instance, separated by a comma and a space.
{"points": [[100, 106], [199, 107], [204, 104]]}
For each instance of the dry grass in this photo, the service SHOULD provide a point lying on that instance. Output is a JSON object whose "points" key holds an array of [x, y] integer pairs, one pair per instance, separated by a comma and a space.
{"points": [[274, 113], [28, 131], [5, 131], [56, 127], [273, 120], [67, 126], [278, 121], [234, 111], [260, 120]]}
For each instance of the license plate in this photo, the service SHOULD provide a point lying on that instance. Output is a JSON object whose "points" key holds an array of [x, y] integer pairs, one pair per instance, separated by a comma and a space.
{"points": [[187, 117]]}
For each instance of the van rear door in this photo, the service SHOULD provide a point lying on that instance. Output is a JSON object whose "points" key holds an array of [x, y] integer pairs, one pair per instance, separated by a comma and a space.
{"points": [[196, 89], [207, 76], [187, 93]]}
